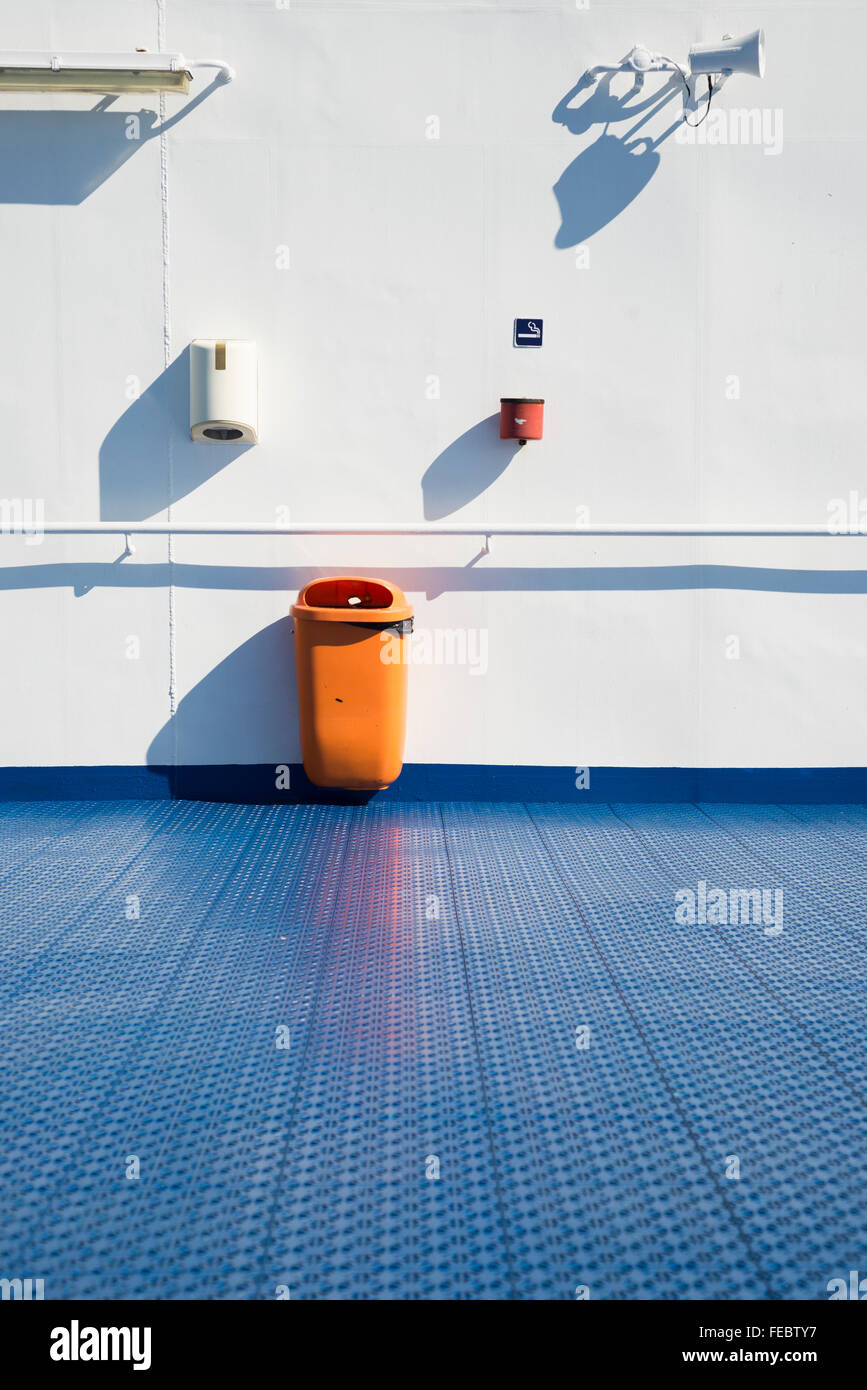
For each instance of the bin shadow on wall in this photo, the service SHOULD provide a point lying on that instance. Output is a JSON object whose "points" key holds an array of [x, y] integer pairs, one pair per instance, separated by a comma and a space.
{"points": [[243, 711], [611, 172], [134, 478], [465, 468]]}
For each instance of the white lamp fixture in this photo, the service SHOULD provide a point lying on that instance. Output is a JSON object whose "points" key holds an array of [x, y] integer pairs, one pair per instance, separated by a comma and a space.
{"points": [[103, 72]]}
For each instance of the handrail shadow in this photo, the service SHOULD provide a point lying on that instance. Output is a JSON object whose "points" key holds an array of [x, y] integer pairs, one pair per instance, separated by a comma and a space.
{"points": [[83, 576]]}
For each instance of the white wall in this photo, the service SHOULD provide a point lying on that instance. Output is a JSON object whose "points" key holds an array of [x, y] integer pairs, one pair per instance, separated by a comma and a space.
{"points": [[409, 258]]}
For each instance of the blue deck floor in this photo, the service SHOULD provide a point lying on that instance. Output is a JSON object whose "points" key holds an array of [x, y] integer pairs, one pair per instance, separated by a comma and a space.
{"points": [[431, 964]]}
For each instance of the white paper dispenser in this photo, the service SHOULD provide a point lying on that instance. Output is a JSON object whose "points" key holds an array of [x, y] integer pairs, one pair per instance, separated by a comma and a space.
{"points": [[224, 391]]}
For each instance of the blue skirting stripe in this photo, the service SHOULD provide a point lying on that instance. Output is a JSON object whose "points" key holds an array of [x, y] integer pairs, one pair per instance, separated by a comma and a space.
{"points": [[257, 783]]}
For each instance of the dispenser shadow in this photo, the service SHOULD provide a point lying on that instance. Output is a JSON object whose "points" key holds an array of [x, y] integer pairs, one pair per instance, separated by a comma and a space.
{"points": [[611, 172], [465, 468], [137, 476]]}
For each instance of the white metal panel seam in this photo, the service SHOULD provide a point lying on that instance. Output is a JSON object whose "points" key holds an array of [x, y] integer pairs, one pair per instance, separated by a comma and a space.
{"points": [[167, 357]]}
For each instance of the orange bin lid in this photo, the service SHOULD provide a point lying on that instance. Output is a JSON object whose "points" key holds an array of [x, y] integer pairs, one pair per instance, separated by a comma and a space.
{"points": [[351, 599]]}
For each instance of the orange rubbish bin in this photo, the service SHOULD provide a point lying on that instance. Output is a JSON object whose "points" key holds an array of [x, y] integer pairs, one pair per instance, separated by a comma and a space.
{"points": [[351, 666]]}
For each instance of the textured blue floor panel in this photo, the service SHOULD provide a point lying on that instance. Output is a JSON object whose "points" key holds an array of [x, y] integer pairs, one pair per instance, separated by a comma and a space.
{"points": [[511, 1071]]}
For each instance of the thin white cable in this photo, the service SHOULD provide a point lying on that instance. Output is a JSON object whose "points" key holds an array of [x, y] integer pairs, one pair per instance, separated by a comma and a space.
{"points": [[225, 73]]}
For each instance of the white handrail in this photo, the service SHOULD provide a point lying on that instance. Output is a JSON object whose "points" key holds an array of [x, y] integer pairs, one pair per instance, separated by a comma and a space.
{"points": [[425, 528]]}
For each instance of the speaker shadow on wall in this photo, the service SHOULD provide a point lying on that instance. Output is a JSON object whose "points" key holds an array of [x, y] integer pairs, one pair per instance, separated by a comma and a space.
{"points": [[611, 172], [138, 476], [243, 711], [465, 468]]}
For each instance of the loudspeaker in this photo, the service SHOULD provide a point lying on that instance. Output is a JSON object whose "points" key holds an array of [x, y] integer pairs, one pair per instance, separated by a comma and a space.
{"points": [[746, 54]]}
